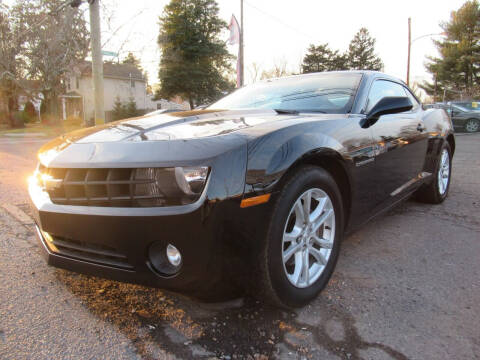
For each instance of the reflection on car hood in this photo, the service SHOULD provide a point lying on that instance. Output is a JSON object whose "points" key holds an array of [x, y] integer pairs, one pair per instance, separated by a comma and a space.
{"points": [[167, 137], [173, 126]]}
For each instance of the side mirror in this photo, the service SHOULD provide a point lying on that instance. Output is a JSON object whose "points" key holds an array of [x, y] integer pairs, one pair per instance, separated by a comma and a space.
{"points": [[389, 105]]}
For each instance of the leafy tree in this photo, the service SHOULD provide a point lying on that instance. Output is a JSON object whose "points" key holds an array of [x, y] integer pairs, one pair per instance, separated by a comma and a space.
{"points": [[457, 69], [52, 47], [195, 61], [361, 52], [322, 58]]}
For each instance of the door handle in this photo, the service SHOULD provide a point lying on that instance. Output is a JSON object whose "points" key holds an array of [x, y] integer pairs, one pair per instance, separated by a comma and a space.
{"points": [[421, 128]]}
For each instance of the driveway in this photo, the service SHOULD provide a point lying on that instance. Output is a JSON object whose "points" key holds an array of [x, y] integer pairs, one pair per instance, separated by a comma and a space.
{"points": [[407, 286]]}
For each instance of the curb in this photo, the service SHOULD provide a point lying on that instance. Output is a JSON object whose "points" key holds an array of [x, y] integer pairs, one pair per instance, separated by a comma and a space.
{"points": [[18, 214]]}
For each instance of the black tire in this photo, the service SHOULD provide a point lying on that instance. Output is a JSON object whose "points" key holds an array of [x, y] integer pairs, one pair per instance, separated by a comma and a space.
{"points": [[273, 285], [430, 193], [472, 125]]}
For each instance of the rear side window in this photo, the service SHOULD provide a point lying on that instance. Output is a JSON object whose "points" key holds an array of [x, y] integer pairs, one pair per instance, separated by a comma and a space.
{"points": [[381, 89]]}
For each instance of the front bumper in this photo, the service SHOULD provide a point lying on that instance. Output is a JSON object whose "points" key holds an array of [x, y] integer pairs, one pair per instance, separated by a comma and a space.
{"points": [[197, 230]]}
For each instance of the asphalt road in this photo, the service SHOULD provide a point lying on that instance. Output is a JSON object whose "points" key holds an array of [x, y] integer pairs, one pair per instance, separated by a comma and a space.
{"points": [[407, 286]]}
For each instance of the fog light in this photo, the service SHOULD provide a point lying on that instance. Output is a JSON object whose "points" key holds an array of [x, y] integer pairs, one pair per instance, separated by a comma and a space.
{"points": [[173, 255]]}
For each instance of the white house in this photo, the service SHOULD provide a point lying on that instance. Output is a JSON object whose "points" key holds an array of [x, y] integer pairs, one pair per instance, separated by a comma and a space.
{"points": [[176, 103], [124, 81]]}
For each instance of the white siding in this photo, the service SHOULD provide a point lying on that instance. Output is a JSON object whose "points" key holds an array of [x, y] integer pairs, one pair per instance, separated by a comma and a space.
{"points": [[112, 88]]}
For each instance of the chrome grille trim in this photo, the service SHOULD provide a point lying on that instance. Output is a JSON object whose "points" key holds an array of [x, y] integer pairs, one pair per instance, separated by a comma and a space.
{"points": [[113, 187]]}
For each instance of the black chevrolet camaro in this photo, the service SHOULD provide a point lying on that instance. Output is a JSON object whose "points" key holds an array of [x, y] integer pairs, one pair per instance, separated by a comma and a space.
{"points": [[253, 193]]}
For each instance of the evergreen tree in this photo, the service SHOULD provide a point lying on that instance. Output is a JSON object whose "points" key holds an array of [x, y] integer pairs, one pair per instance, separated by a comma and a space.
{"points": [[457, 69], [124, 110], [361, 52], [131, 109], [195, 61], [132, 60], [322, 58], [118, 111]]}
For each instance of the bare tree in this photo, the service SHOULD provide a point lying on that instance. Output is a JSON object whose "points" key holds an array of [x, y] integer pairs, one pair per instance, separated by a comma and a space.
{"points": [[279, 69], [11, 63], [255, 70], [52, 48]]}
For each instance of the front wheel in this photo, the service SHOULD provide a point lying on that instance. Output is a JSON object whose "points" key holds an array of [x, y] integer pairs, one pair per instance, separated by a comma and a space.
{"points": [[472, 125], [303, 240]]}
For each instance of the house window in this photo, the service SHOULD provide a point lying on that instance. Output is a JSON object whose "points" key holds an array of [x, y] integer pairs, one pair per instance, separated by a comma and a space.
{"points": [[132, 81], [77, 82], [68, 84]]}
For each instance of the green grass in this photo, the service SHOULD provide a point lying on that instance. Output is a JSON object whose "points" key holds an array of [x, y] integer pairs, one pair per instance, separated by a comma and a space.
{"points": [[48, 130]]}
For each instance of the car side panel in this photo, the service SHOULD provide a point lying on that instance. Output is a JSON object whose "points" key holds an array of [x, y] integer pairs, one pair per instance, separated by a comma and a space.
{"points": [[344, 140], [439, 127]]}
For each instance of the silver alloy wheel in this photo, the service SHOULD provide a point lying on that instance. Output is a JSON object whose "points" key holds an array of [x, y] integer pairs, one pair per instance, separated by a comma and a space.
{"points": [[308, 237], [472, 126], [444, 172]]}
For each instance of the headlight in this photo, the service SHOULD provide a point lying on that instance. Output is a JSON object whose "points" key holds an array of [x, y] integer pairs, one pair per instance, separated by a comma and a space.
{"points": [[169, 186]]}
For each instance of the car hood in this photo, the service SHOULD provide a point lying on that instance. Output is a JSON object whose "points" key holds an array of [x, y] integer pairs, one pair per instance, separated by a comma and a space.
{"points": [[173, 126], [166, 138]]}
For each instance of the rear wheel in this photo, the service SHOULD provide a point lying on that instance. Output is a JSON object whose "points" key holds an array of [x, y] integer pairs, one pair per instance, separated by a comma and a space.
{"points": [[303, 240], [472, 125], [437, 190]]}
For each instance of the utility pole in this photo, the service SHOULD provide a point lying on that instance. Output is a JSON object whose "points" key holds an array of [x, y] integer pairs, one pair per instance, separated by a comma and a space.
{"points": [[240, 52], [97, 61], [409, 48]]}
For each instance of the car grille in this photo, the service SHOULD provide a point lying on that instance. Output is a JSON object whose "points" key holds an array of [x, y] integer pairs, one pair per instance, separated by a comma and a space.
{"points": [[100, 254], [97, 187]]}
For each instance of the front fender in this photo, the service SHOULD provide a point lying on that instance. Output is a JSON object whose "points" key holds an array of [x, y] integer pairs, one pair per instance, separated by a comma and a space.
{"points": [[270, 156]]}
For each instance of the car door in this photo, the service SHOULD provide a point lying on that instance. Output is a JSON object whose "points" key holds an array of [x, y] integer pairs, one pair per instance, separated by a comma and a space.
{"points": [[459, 117], [400, 144]]}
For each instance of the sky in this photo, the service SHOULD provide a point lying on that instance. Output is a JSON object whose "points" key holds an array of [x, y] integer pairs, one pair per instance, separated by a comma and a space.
{"points": [[277, 31]]}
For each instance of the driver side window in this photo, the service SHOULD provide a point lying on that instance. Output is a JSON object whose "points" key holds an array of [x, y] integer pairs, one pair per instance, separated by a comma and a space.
{"points": [[381, 89]]}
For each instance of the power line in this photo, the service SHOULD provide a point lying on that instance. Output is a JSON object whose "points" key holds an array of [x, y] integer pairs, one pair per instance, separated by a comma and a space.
{"points": [[280, 21]]}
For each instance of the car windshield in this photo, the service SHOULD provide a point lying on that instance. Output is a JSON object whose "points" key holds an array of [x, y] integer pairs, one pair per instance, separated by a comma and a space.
{"points": [[331, 93], [461, 108]]}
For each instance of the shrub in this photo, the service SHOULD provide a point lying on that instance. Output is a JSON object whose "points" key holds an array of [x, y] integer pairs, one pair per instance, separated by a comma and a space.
{"points": [[19, 119], [124, 110], [30, 115]]}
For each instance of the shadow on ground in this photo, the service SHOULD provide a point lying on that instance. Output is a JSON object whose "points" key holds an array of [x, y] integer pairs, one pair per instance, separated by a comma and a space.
{"points": [[159, 322]]}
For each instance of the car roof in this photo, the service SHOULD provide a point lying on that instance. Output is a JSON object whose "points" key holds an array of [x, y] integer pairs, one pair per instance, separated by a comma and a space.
{"points": [[369, 73]]}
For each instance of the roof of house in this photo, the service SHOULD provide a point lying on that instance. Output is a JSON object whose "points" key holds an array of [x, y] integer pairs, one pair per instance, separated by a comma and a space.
{"points": [[113, 70]]}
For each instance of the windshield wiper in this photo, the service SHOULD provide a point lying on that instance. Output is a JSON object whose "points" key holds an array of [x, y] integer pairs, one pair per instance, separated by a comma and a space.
{"points": [[286, 111]]}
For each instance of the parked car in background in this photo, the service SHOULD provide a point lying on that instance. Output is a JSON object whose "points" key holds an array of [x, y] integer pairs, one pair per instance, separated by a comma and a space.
{"points": [[470, 105], [463, 118], [255, 192]]}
